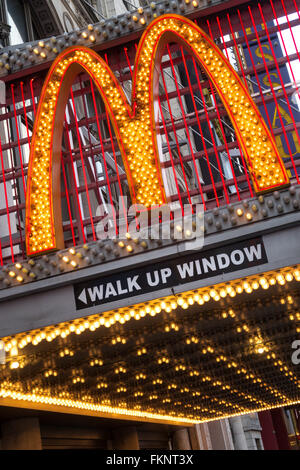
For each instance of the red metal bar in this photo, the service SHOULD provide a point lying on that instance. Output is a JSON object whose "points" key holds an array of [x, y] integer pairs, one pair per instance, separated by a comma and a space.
{"points": [[222, 36], [251, 36], [175, 136], [128, 61], [185, 123], [259, 86], [68, 199], [83, 166], [25, 114], [296, 8], [246, 84], [211, 135], [90, 143], [18, 137], [217, 187], [219, 117], [198, 120], [237, 50], [32, 96], [103, 156], [116, 165], [115, 158], [284, 46], [7, 211], [278, 71], [290, 28], [273, 93], [256, 75], [15, 183], [171, 156], [74, 179]]}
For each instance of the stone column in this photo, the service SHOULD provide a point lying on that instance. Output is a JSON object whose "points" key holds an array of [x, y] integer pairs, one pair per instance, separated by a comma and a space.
{"points": [[125, 438], [181, 440], [203, 435], [220, 435], [21, 434], [238, 435]]}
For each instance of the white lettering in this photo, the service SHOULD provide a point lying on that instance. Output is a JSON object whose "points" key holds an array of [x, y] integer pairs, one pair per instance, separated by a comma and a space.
{"points": [[156, 279], [110, 290], [132, 283], [120, 290], [198, 267], [237, 257], [223, 260], [186, 269], [165, 273], [209, 264], [253, 251], [96, 293]]}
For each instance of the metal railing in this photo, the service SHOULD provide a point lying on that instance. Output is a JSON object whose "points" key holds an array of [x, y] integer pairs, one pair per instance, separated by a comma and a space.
{"points": [[201, 159]]}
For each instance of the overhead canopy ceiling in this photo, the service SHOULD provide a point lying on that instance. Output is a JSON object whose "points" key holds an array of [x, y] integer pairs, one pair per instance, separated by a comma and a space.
{"points": [[189, 362]]}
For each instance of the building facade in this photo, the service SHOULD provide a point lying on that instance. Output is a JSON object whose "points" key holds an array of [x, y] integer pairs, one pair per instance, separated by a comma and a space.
{"points": [[174, 326]]}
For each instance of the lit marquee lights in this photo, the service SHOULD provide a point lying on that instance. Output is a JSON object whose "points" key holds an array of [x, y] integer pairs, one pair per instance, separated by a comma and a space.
{"points": [[152, 308], [220, 382], [134, 125]]}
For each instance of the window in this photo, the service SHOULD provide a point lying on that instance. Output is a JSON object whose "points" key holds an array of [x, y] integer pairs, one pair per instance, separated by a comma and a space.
{"points": [[4, 28], [258, 444]]}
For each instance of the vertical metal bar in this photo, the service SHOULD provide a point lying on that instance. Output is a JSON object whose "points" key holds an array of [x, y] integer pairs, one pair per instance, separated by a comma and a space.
{"points": [[278, 71], [238, 142], [175, 136], [7, 207], [116, 163], [273, 92], [246, 84], [256, 75], [222, 36], [115, 159], [32, 96], [75, 183], [171, 156], [219, 117], [91, 146], [211, 136], [83, 166], [185, 123], [285, 50], [103, 156], [296, 8], [16, 185], [198, 120], [68, 199], [18, 137], [237, 50], [25, 114], [260, 89], [128, 61]]}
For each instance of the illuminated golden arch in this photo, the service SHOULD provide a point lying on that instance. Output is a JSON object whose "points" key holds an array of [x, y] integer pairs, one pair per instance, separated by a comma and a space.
{"points": [[134, 125]]}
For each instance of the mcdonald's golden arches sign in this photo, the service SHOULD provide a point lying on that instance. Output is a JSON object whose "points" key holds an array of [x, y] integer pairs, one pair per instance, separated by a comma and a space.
{"points": [[134, 124]]}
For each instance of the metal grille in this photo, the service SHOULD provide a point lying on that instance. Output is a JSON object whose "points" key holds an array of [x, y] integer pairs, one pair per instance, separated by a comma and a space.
{"points": [[201, 158]]}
